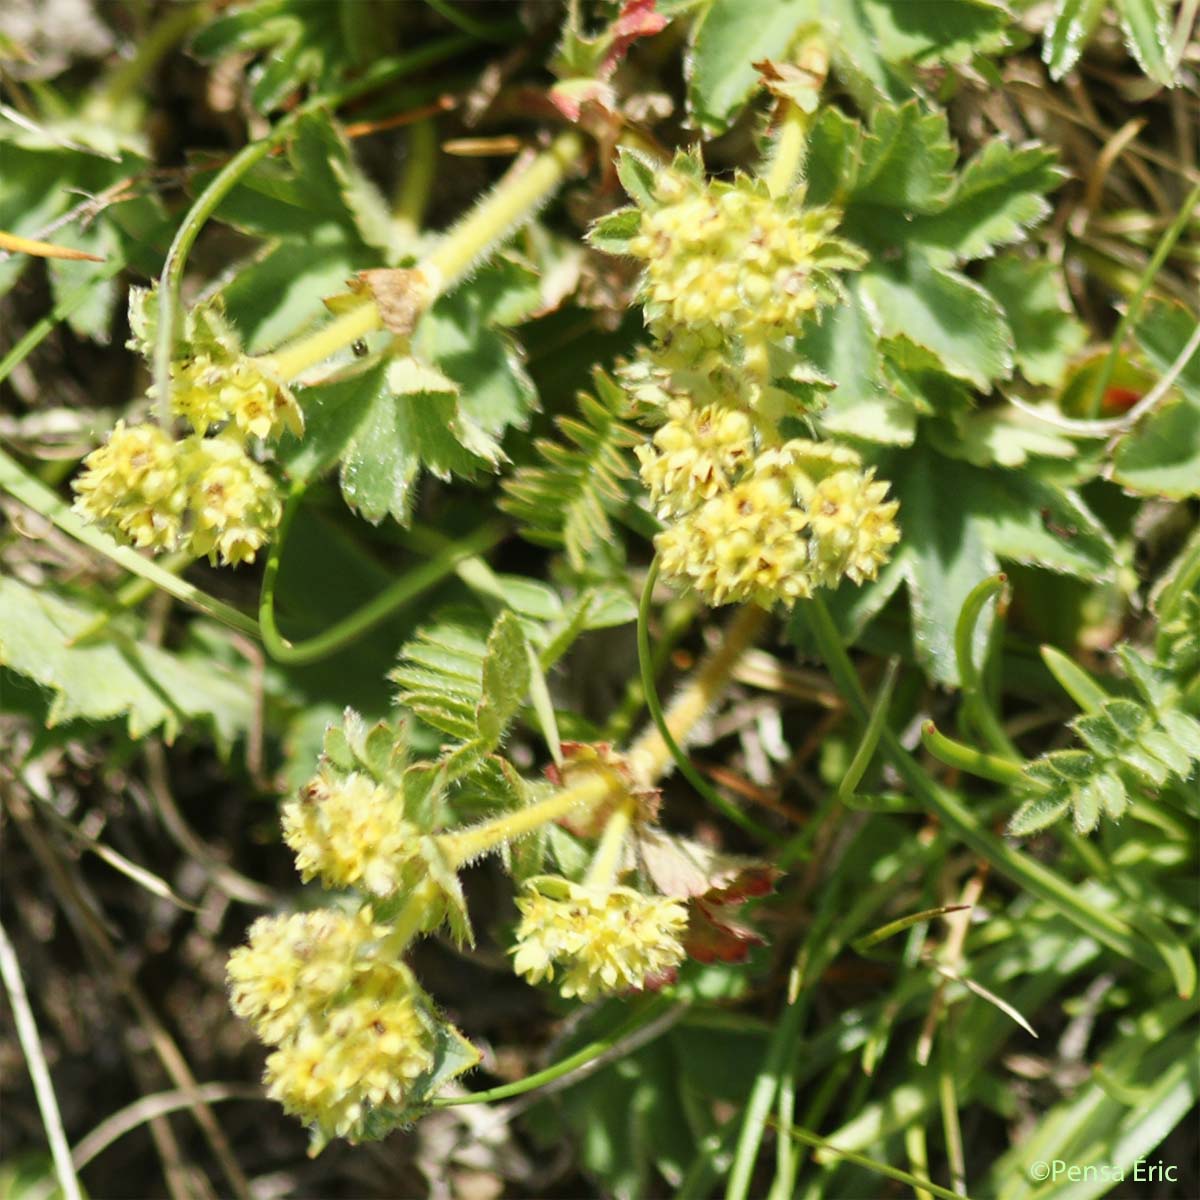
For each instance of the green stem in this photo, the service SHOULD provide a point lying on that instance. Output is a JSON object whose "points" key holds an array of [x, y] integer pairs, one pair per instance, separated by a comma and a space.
{"points": [[55, 509], [602, 871], [417, 180], [871, 1164], [514, 200], [870, 739], [1024, 871], [296, 358], [967, 758], [130, 595], [1166, 243], [651, 753], [229, 175], [175, 26], [975, 702], [349, 629], [646, 1015], [410, 920], [788, 153], [63, 309], [468, 844]]}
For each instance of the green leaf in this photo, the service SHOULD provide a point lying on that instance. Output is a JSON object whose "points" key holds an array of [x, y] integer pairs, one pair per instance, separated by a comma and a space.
{"points": [[302, 43], [1039, 813], [442, 412], [1007, 437], [1161, 456], [274, 297], [566, 503], [1184, 729], [121, 676], [505, 678], [727, 39], [943, 311], [1045, 332], [907, 160], [637, 173], [1072, 23], [461, 336], [1147, 26], [843, 346], [997, 196], [383, 426], [934, 31], [440, 672], [958, 521], [612, 233]]}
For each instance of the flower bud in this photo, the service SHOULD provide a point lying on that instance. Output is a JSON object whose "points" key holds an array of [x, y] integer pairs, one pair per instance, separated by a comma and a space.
{"points": [[731, 255]]}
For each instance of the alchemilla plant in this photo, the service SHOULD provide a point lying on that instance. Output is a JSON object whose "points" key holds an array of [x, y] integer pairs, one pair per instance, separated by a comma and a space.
{"points": [[755, 524]]}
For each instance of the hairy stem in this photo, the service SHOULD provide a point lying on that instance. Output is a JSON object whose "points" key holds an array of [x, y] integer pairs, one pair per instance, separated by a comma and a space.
{"points": [[461, 848], [650, 756], [788, 155], [602, 870], [513, 201]]}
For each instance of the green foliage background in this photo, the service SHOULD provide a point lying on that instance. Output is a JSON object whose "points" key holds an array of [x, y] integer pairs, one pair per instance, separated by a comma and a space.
{"points": [[466, 538]]}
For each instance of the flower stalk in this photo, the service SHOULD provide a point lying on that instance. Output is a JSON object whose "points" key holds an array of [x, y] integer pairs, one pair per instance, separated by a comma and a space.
{"points": [[602, 871], [514, 200], [461, 848], [650, 756]]}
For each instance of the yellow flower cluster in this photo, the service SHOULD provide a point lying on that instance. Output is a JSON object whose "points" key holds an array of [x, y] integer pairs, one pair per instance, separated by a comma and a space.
{"points": [[351, 832], [601, 940], [212, 389], [733, 257], [133, 483], [775, 526], [853, 526], [695, 455], [353, 1028], [203, 494], [206, 495]]}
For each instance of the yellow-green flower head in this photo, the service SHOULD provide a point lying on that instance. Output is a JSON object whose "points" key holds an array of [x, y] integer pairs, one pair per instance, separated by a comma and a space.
{"points": [[351, 832], [362, 1055], [745, 545], [600, 940], [696, 455], [733, 256], [134, 484], [292, 968], [853, 526], [233, 501], [211, 389]]}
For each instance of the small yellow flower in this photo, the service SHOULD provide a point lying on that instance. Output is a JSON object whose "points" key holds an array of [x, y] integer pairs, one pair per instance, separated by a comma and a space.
{"points": [[696, 455], [745, 545], [351, 832], [735, 257], [135, 484], [853, 526], [212, 388], [293, 967], [233, 501], [601, 940], [362, 1055]]}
